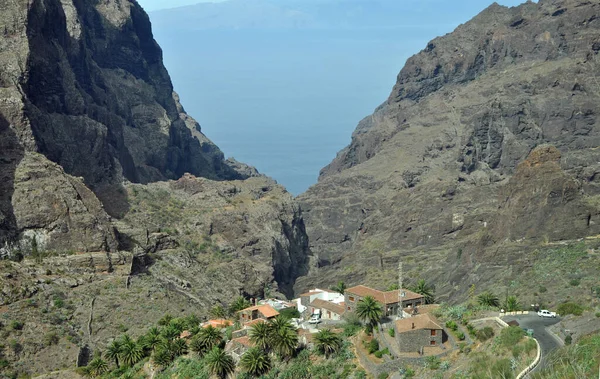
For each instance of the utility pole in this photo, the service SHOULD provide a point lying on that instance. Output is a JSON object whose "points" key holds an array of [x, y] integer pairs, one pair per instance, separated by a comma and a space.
{"points": [[400, 290]]}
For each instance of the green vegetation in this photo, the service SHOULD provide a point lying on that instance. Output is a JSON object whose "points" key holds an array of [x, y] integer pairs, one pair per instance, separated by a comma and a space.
{"points": [[219, 363], [290, 313], [485, 333], [423, 288], [511, 304], [488, 299], [340, 287], [369, 310], [373, 346], [328, 342], [392, 332], [569, 309], [510, 336], [579, 360]]}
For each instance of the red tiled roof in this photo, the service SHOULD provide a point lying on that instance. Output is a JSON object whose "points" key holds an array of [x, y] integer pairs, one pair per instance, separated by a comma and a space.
{"points": [[425, 321], [218, 323], [254, 322], [265, 309], [328, 305], [245, 340], [387, 297]]}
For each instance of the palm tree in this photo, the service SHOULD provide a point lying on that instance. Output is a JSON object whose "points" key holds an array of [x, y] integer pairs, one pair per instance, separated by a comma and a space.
{"points": [[426, 290], [259, 334], [219, 363], [179, 347], [284, 341], [170, 332], [211, 337], [113, 351], [340, 287], [238, 304], [165, 320], [218, 311], [131, 352], [512, 304], [487, 298], [256, 362], [162, 357], [369, 310], [192, 321], [197, 345], [97, 367], [151, 340], [328, 342]]}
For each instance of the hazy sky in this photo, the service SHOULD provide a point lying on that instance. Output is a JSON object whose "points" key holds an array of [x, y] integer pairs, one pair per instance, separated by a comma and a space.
{"points": [[152, 5]]}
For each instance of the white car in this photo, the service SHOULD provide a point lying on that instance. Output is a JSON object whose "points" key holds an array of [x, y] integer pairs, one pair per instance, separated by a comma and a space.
{"points": [[314, 319], [546, 313]]}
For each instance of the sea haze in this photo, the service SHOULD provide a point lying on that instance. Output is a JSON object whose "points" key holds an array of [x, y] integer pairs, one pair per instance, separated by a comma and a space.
{"points": [[281, 84]]}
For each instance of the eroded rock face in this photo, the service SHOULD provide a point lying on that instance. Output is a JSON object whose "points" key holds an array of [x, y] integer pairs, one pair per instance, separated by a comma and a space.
{"points": [[442, 166], [83, 84]]}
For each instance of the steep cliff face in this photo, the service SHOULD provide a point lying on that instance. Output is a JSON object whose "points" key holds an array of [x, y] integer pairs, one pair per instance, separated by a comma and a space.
{"points": [[115, 209], [84, 86], [439, 175]]}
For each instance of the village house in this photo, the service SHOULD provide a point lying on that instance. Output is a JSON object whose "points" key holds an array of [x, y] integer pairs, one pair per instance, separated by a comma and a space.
{"points": [[389, 300], [416, 333], [304, 301], [327, 310], [262, 311]]}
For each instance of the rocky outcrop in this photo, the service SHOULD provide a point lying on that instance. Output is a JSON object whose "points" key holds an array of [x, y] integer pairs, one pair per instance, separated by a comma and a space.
{"points": [[251, 229], [442, 166], [83, 85]]}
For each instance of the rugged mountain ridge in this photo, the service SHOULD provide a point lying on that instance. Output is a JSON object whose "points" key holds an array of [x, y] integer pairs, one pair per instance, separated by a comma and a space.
{"points": [[85, 86], [484, 152], [115, 209]]}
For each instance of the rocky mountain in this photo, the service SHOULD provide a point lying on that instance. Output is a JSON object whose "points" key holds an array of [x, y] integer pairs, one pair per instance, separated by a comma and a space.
{"points": [[114, 207], [482, 160]]}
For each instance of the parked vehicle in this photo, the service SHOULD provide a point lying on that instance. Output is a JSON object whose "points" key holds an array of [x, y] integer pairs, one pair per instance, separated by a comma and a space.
{"points": [[314, 319], [546, 313]]}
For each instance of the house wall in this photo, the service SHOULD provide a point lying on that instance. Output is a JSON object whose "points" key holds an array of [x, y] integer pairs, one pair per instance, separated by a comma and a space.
{"points": [[388, 310], [329, 315], [414, 340]]}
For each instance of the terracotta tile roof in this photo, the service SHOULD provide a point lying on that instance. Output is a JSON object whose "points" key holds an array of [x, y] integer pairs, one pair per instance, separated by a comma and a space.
{"points": [[254, 322], [218, 323], [425, 321], [387, 297], [265, 309], [328, 305], [245, 340]]}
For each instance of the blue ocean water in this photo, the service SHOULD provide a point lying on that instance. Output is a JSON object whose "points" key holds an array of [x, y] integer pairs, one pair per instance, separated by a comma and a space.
{"points": [[287, 99]]}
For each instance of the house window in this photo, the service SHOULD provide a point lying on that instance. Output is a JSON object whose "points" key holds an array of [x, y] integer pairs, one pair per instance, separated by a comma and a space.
{"points": [[432, 343], [328, 314], [433, 332], [351, 298]]}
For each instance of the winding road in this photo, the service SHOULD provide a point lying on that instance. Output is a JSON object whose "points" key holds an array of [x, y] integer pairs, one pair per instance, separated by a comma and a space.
{"points": [[548, 342]]}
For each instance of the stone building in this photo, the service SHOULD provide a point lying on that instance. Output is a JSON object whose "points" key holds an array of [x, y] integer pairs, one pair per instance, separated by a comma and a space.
{"points": [[388, 299], [419, 332]]}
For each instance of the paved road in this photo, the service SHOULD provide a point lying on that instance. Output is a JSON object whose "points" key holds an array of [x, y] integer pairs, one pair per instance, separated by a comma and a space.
{"points": [[547, 341]]}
